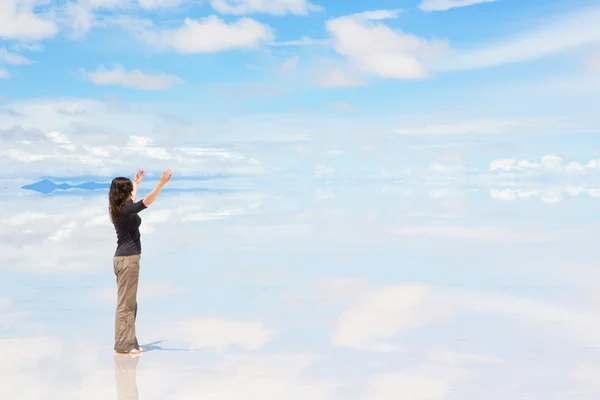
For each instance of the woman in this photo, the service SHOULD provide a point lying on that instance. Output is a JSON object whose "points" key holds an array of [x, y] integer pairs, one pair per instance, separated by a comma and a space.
{"points": [[124, 210]]}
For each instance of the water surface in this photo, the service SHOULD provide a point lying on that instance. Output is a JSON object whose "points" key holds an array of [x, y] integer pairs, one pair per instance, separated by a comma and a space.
{"points": [[324, 291]]}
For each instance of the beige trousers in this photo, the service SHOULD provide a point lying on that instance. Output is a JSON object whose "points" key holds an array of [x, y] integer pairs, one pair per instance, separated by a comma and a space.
{"points": [[127, 270]]}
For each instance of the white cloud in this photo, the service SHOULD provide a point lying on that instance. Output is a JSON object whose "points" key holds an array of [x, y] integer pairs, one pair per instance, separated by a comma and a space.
{"points": [[60, 234], [80, 19], [211, 34], [470, 127], [144, 145], [443, 5], [334, 290], [19, 21], [204, 151], [512, 194], [548, 163], [4, 74], [380, 315], [106, 4], [236, 376], [380, 50], [427, 382], [589, 375], [566, 32], [323, 170], [341, 106], [444, 169], [574, 323], [209, 216], [103, 138], [335, 78], [592, 63], [7, 57], [290, 64], [5, 302], [231, 376], [266, 377], [274, 7], [64, 232], [28, 46], [549, 195], [462, 359], [378, 15], [134, 79], [158, 216], [58, 137], [154, 4], [507, 164], [146, 290], [486, 126], [303, 41], [219, 333], [80, 16], [16, 351], [482, 233]]}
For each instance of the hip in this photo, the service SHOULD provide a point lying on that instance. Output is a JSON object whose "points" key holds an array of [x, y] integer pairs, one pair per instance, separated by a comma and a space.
{"points": [[126, 263], [131, 257]]}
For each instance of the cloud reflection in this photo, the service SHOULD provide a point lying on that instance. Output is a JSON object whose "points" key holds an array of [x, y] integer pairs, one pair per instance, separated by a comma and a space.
{"points": [[345, 292]]}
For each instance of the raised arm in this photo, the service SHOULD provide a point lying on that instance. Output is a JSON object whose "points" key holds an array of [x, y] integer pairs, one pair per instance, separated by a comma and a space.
{"points": [[164, 178], [139, 175]]}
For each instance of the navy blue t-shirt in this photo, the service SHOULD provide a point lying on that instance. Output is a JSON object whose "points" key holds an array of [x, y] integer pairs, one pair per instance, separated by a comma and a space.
{"points": [[127, 226]]}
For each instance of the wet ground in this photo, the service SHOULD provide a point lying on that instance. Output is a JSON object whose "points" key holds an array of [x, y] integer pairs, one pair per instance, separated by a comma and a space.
{"points": [[360, 291]]}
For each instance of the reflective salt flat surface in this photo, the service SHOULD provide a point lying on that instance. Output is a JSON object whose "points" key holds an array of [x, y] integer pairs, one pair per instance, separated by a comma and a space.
{"points": [[333, 290], [371, 200]]}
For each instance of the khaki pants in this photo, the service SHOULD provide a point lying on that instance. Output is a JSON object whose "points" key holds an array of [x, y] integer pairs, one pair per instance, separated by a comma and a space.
{"points": [[127, 270]]}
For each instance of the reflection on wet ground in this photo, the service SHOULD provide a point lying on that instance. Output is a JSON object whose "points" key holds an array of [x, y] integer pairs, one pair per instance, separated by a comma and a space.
{"points": [[125, 376], [349, 292]]}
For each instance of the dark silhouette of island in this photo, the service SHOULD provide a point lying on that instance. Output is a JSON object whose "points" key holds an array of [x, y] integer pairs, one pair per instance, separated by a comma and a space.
{"points": [[46, 186]]}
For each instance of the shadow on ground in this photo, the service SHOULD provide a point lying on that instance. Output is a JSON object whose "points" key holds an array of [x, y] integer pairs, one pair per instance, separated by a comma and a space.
{"points": [[155, 346]]}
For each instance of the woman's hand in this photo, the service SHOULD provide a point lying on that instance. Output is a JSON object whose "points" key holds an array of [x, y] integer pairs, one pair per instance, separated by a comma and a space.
{"points": [[164, 178], [139, 175]]}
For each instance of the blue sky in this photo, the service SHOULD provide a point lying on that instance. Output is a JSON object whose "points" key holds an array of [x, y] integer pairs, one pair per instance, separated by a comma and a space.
{"points": [[425, 57], [401, 204], [274, 83]]}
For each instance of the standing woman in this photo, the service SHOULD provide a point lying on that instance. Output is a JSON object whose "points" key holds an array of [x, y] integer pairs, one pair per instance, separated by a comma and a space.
{"points": [[124, 210]]}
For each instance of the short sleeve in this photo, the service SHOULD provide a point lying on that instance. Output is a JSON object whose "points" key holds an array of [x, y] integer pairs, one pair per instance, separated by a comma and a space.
{"points": [[134, 208]]}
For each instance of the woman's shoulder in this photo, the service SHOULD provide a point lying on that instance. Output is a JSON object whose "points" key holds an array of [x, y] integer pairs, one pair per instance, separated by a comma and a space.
{"points": [[123, 209]]}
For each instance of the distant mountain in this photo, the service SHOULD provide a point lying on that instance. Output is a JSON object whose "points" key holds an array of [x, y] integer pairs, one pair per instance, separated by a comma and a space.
{"points": [[47, 186]]}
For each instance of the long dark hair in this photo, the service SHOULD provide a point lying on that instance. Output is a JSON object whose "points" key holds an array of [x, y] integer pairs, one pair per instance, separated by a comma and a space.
{"points": [[118, 195]]}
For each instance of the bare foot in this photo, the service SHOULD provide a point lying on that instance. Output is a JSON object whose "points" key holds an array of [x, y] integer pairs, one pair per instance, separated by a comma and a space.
{"points": [[132, 352]]}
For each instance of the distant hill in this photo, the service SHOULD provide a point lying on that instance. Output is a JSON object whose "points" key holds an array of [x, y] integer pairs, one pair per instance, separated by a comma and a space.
{"points": [[47, 186]]}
